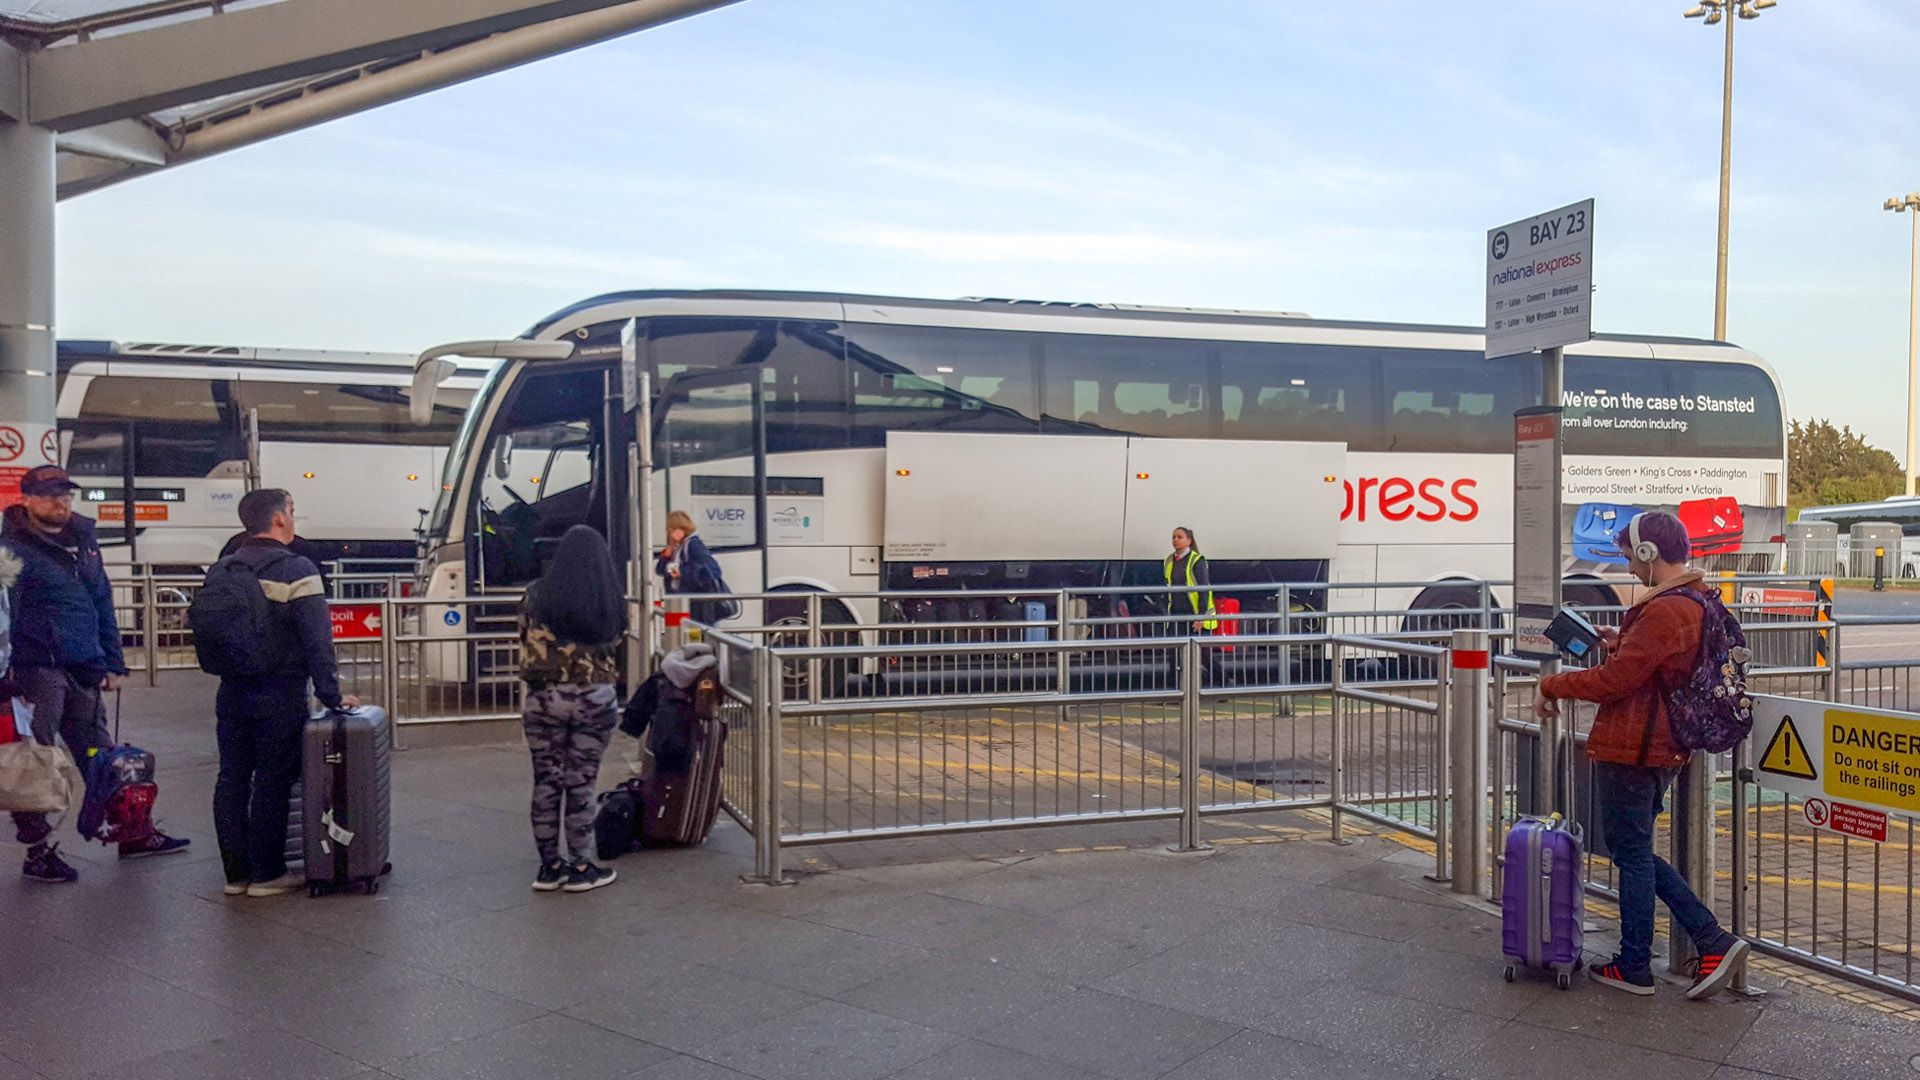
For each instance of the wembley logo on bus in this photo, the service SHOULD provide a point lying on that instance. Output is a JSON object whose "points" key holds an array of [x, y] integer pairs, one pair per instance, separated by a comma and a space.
{"points": [[1396, 498]]}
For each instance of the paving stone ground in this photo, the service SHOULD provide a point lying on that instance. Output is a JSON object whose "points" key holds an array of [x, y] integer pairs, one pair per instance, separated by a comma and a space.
{"points": [[989, 956]]}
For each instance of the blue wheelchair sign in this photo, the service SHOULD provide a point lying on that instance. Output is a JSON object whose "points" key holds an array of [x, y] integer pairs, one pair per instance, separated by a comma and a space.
{"points": [[452, 618]]}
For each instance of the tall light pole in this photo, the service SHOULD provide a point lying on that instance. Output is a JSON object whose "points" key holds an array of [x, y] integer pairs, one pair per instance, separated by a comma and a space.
{"points": [[1900, 206], [1716, 11]]}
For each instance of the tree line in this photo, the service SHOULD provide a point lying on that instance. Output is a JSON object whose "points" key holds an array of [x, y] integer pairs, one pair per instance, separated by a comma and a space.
{"points": [[1828, 465]]}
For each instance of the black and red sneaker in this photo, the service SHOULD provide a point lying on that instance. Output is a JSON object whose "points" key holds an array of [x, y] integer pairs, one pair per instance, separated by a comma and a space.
{"points": [[1621, 978], [1718, 964]]}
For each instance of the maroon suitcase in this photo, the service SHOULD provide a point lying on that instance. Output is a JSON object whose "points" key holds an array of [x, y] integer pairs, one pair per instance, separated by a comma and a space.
{"points": [[678, 806]]}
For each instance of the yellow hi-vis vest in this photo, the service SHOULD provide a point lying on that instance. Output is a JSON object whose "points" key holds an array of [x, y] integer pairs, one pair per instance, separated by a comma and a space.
{"points": [[1193, 598]]}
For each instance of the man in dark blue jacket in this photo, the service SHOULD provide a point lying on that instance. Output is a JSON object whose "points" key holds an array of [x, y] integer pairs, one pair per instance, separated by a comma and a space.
{"points": [[66, 646], [262, 717]]}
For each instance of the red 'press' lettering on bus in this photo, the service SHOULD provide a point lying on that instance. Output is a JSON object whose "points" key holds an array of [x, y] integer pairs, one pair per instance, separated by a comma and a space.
{"points": [[1397, 498]]}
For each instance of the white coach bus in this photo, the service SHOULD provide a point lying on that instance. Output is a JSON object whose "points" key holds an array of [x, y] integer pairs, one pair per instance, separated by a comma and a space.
{"points": [[859, 443], [177, 433]]}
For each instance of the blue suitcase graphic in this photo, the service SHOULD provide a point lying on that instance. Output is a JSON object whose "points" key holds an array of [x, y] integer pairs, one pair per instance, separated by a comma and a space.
{"points": [[1595, 525]]}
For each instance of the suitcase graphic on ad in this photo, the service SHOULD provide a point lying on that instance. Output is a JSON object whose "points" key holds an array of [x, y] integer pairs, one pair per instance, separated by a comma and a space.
{"points": [[1595, 525], [1714, 525]]}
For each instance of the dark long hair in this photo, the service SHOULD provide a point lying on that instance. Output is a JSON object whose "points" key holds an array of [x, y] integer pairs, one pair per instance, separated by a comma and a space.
{"points": [[579, 597]]}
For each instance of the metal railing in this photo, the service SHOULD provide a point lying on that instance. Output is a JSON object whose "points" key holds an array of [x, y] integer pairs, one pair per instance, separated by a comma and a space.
{"points": [[923, 725]]}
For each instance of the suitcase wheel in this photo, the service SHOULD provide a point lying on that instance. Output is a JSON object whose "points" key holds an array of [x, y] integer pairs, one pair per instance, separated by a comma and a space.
{"points": [[1509, 973], [1564, 980], [313, 892]]}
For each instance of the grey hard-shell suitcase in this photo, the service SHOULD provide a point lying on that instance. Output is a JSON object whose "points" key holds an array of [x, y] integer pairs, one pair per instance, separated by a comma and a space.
{"points": [[678, 805], [346, 799]]}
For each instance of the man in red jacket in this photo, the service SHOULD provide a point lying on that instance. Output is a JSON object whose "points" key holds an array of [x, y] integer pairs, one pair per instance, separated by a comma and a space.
{"points": [[1634, 758]]}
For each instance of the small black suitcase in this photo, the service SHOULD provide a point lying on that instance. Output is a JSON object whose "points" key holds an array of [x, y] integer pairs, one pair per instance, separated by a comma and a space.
{"points": [[346, 800]]}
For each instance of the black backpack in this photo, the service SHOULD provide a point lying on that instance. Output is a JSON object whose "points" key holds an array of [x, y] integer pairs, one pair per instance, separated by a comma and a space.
{"points": [[232, 621], [616, 828]]}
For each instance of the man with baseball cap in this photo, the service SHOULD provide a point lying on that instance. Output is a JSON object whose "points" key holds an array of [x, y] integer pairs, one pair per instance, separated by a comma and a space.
{"points": [[66, 645]]}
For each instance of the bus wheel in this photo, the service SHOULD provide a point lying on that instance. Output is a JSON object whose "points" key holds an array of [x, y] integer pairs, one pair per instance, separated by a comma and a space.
{"points": [[788, 622], [1443, 608], [1596, 595]]}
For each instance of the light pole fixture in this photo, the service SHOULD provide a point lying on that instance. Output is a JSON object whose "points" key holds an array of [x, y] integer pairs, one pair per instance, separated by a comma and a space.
{"points": [[1900, 205], [1714, 11]]}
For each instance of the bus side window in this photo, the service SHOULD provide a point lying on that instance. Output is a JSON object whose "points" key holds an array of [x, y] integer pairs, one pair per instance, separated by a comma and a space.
{"points": [[937, 378], [1440, 401], [1622, 405], [1312, 393], [1132, 386], [1735, 412]]}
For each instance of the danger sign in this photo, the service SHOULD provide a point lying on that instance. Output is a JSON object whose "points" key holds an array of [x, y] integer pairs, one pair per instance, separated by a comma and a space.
{"points": [[356, 622], [1851, 766]]}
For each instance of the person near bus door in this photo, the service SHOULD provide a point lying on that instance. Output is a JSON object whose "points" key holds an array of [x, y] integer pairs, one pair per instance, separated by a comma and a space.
{"points": [[1187, 567], [570, 626], [689, 567]]}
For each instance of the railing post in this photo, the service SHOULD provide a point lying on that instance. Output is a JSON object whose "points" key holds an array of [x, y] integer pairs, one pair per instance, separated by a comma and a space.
{"points": [[1444, 775], [1190, 656], [813, 642], [766, 767], [1467, 723], [1692, 849], [1834, 689], [1338, 752], [150, 623], [1062, 670], [390, 671], [1742, 772], [1497, 768]]}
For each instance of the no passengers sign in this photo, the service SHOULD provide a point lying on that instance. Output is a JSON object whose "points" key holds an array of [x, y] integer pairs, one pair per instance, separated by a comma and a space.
{"points": [[1540, 281]]}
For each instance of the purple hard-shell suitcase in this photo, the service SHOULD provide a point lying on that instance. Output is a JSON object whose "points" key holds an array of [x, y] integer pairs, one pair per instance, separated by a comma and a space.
{"points": [[1543, 898]]}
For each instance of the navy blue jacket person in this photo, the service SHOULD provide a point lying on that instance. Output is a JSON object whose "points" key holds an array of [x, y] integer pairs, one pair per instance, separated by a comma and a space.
{"points": [[66, 645], [261, 718]]}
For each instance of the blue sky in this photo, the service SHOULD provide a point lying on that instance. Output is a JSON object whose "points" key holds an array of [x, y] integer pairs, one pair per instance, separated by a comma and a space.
{"points": [[1344, 160]]}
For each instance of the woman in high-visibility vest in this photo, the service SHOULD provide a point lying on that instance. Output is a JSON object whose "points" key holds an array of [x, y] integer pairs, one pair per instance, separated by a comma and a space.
{"points": [[1186, 566]]}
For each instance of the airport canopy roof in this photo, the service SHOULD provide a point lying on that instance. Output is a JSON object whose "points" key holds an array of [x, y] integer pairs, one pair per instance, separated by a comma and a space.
{"points": [[133, 86]]}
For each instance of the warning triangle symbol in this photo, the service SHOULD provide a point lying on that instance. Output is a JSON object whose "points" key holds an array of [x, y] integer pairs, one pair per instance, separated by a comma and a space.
{"points": [[1787, 753]]}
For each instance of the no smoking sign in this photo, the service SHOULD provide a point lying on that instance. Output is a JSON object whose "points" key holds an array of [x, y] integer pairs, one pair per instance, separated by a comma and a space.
{"points": [[12, 443]]}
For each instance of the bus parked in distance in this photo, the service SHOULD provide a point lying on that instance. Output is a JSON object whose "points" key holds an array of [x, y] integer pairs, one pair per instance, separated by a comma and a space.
{"points": [[204, 422], [828, 442]]}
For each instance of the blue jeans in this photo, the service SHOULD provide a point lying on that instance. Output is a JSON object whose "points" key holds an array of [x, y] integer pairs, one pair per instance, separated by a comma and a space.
{"points": [[261, 722], [1630, 797]]}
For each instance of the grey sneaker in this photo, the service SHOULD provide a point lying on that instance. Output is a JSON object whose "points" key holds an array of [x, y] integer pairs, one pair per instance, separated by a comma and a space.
{"points": [[281, 885]]}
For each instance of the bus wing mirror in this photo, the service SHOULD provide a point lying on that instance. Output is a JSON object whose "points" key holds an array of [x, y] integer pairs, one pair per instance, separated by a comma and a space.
{"points": [[427, 378], [503, 457], [433, 367]]}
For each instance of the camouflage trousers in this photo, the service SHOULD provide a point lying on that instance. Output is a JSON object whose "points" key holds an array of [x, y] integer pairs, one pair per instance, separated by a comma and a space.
{"points": [[567, 726]]}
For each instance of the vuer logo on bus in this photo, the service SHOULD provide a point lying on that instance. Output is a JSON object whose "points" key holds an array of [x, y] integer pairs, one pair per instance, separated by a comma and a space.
{"points": [[1396, 498]]}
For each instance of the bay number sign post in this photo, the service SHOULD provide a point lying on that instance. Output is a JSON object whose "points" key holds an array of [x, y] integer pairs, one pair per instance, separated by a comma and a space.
{"points": [[1539, 297]]}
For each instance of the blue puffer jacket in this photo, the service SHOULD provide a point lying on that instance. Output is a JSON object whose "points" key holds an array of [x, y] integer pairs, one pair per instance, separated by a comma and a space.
{"points": [[62, 604]]}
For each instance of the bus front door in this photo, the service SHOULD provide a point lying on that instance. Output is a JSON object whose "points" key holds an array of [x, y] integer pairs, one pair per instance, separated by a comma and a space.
{"points": [[711, 462]]}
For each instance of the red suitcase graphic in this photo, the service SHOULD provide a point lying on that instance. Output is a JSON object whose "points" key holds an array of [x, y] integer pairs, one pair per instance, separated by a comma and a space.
{"points": [[1714, 525]]}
